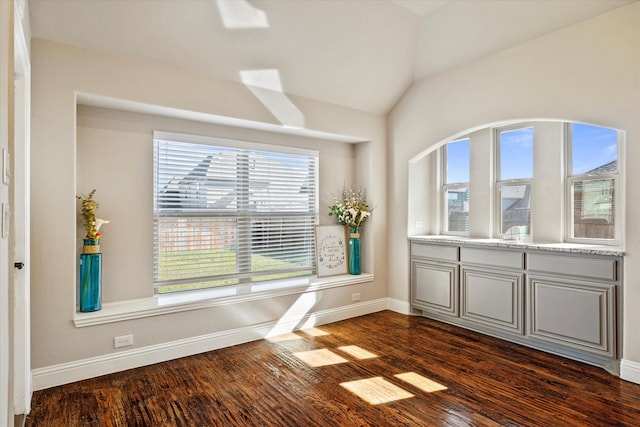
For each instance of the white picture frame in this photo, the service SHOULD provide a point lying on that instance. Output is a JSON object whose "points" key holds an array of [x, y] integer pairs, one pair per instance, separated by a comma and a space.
{"points": [[331, 250]]}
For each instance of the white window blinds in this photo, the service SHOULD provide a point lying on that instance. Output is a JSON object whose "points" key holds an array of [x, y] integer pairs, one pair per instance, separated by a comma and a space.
{"points": [[228, 212]]}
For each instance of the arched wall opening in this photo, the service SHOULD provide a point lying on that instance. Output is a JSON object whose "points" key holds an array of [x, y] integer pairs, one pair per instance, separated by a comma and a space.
{"points": [[551, 191]]}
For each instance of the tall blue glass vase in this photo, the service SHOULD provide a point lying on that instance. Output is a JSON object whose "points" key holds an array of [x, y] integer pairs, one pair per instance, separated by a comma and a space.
{"points": [[354, 252], [90, 276]]}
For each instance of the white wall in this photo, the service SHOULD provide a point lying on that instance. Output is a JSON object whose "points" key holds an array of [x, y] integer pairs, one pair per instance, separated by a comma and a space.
{"points": [[588, 72], [59, 71]]}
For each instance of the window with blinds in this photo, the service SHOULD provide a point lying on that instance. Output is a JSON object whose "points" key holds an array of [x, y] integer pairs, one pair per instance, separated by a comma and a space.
{"points": [[229, 212]]}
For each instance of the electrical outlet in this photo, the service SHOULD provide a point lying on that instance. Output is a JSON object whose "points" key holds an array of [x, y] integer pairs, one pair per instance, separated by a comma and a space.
{"points": [[356, 296], [123, 341]]}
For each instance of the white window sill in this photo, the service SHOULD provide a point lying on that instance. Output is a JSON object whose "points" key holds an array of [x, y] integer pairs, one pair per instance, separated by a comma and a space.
{"points": [[194, 300]]}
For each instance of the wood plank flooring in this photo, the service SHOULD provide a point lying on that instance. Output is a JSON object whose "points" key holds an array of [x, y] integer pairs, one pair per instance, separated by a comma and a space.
{"points": [[383, 369]]}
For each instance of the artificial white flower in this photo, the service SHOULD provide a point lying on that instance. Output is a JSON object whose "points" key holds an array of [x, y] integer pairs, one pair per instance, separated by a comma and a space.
{"points": [[100, 222], [352, 210]]}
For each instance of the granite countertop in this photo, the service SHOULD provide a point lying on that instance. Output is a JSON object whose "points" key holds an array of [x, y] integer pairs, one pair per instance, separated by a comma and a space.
{"points": [[576, 248]]}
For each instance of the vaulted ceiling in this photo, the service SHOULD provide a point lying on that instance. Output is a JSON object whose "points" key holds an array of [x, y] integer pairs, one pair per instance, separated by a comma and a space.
{"points": [[362, 54]]}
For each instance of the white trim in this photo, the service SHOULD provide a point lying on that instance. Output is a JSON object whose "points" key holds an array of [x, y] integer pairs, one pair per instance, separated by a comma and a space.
{"points": [[399, 306], [195, 300], [231, 143], [95, 100], [6, 115], [630, 371], [65, 373], [22, 388]]}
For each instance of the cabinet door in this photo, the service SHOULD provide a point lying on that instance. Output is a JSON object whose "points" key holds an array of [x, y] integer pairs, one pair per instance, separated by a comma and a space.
{"points": [[492, 298], [434, 287], [574, 314]]}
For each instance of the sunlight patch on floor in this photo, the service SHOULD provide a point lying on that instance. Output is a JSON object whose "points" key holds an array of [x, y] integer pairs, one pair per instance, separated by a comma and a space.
{"points": [[376, 390], [357, 352], [322, 357], [315, 332], [423, 383]]}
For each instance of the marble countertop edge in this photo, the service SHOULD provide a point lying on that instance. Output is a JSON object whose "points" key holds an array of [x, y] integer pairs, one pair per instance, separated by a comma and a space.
{"points": [[577, 248]]}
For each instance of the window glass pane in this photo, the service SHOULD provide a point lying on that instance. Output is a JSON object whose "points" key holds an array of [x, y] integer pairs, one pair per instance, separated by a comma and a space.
{"points": [[458, 209], [515, 207], [594, 149], [516, 153], [224, 216], [593, 209], [457, 154]]}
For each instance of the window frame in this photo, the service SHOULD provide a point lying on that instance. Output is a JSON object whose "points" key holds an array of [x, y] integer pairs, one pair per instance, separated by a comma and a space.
{"points": [[240, 275], [571, 179], [500, 183], [446, 187]]}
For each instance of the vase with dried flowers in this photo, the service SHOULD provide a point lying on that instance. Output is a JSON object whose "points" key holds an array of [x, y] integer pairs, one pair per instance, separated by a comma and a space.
{"points": [[351, 211], [90, 292]]}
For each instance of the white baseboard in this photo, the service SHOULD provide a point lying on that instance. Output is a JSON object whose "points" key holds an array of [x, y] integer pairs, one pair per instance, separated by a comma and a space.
{"points": [[402, 307], [630, 371], [65, 373]]}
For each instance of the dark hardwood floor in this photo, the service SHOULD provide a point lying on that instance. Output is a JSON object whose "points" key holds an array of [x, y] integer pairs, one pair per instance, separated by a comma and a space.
{"points": [[407, 371]]}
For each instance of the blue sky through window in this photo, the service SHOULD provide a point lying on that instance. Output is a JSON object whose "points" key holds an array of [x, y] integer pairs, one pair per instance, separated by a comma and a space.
{"points": [[516, 153], [458, 161], [592, 147]]}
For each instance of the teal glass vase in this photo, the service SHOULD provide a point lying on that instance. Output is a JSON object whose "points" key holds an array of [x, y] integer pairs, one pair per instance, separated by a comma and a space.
{"points": [[354, 252], [90, 295]]}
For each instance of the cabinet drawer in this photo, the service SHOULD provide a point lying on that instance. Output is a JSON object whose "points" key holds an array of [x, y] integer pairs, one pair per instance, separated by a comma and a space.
{"points": [[445, 253], [492, 257], [591, 267]]}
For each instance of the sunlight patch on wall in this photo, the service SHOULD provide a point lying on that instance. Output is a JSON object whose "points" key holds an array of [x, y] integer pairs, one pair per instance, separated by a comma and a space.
{"points": [[418, 381], [268, 79], [322, 357], [240, 14], [295, 314], [266, 85], [357, 352], [376, 390]]}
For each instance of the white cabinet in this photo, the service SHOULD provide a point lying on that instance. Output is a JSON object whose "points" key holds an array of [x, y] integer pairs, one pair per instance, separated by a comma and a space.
{"points": [[435, 287], [573, 314], [492, 289], [564, 303], [434, 279], [492, 298]]}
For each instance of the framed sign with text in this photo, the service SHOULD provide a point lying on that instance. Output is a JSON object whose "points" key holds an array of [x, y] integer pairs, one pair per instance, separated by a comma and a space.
{"points": [[331, 251]]}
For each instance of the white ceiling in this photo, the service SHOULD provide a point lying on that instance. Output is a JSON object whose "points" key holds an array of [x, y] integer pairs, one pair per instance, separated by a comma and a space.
{"points": [[362, 54]]}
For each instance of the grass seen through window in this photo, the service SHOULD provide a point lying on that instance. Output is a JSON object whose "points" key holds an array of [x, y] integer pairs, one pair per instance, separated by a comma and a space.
{"points": [[216, 262]]}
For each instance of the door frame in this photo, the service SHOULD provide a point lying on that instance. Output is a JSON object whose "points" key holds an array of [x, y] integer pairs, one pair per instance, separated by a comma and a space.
{"points": [[22, 378]]}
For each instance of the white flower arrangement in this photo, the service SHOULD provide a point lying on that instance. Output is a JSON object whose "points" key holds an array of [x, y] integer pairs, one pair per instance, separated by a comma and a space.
{"points": [[352, 210]]}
